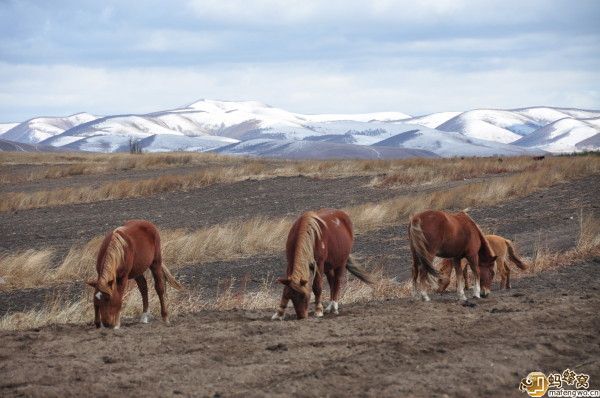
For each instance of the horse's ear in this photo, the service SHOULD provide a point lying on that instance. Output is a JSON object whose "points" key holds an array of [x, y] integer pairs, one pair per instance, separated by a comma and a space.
{"points": [[303, 282], [93, 283], [284, 281]]}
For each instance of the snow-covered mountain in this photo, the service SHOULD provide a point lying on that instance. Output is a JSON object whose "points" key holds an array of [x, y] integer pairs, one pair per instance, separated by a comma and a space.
{"points": [[449, 144], [39, 129], [250, 127], [564, 135], [4, 127], [293, 149]]}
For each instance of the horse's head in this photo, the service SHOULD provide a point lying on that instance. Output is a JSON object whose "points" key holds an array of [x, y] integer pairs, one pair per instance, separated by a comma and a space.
{"points": [[298, 293], [486, 275], [108, 299]]}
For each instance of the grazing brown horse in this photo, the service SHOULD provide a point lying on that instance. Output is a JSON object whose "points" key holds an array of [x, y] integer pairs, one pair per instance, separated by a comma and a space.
{"points": [[502, 248], [318, 243], [449, 235], [126, 253]]}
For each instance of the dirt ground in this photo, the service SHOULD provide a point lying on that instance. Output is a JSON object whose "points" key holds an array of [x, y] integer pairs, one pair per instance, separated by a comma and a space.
{"points": [[393, 348]]}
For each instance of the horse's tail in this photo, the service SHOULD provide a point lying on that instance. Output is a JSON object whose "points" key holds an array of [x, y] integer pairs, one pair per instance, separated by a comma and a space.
{"points": [[419, 246], [513, 256], [170, 278], [358, 271]]}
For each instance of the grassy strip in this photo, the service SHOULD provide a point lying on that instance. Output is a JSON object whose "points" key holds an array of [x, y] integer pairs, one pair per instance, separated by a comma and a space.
{"points": [[388, 173]]}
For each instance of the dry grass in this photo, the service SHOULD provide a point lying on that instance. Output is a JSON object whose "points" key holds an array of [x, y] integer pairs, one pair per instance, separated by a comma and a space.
{"points": [[441, 170], [28, 268], [588, 246], [411, 171], [61, 310], [60, 165], [259, 236], [266, 236]]}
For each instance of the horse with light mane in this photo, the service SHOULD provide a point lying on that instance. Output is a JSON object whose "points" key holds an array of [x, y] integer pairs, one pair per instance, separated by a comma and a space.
{"points": [[503, 249], [126, 253], [319, 243], [454, 236]]}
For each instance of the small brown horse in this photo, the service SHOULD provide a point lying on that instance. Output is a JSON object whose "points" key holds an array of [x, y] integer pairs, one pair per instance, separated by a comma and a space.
{"points": [[126, 253], [449, 235], [502, 248], [318, 243]]}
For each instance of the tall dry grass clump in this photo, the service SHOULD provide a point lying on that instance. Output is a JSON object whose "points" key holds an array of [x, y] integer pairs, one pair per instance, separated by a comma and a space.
{"points": [[25, 269], [588, 246]]}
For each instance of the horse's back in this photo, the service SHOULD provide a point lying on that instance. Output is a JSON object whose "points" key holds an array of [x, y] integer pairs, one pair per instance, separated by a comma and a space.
{"points": [[338, 234], [447, 234], [144, 239]]}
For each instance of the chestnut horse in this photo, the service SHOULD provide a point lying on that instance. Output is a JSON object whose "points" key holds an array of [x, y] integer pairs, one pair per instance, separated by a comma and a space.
{"points": [[126, 253], [502, 248], [449, 235], [319, 243]]}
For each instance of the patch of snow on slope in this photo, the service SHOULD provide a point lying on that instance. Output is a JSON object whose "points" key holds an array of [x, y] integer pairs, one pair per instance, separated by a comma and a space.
{"points": [[39, 129], [493, 125], [4, 127], [560, 136], [432, 120]]}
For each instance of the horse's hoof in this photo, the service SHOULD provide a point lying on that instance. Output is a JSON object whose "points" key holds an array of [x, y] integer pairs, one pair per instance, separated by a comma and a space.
{"points": [[336, 312], [319, 314], [276, 317], [145, 318]]}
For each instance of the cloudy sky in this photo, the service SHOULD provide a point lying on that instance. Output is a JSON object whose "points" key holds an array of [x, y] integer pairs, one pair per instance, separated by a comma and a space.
{"points": [[60, 57]]}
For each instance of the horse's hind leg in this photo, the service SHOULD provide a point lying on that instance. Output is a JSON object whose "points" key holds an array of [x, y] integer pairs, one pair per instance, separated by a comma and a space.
{"points": [[143, 286], [507, 271], [338, 278], [474, 263], [415, 274], [331, 281], [159, 285], [460, 279]]}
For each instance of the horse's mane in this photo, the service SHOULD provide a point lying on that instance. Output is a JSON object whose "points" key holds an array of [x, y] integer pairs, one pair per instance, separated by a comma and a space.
{"points": [[484, 242], [309, 231], [113, 257]]}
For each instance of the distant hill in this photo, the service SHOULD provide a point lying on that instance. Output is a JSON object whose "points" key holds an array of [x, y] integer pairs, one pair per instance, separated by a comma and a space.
{"points": [[225, 126]]}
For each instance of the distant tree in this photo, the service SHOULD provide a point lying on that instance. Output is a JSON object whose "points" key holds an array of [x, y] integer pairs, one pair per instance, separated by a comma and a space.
{"points": [[134, 146]]}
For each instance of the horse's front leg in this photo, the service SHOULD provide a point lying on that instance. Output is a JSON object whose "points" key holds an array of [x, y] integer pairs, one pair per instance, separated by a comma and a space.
{"points": [[317, 290], [460, 279], [445, 273], [97, 316], [280, 314], [474, 263]]}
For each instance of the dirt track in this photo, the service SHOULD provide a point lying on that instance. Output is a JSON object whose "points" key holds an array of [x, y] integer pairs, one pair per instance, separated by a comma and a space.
{"points": [[393, 348]]}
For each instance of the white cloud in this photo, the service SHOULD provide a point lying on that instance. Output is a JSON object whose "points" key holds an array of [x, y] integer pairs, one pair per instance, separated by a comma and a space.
{"points": [[301, 87], [278, 12]]}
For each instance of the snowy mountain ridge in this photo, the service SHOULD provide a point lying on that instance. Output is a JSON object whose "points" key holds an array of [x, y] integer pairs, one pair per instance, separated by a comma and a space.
{"points": [[208, 125]]}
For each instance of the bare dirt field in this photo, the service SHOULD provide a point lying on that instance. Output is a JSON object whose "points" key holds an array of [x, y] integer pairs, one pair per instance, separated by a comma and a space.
{"points": [[391, 348], [398, 347]]}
